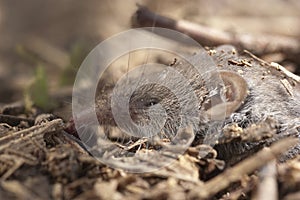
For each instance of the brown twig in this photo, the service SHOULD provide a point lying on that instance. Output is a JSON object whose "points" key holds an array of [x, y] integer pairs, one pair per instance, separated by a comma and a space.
{"points": [[19, 190], [259, 44], [247, 166], [247, 186], [267, 187], [36, 132], [16, 163], [275, 66]]}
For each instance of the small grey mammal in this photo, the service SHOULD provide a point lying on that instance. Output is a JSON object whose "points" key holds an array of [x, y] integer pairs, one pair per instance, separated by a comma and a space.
{"points": [[253, 93]]}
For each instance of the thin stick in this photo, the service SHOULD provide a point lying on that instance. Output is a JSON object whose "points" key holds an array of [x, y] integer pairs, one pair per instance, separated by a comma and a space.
{"points": [[267, 188], [246, 166], [275, 66], [36, 132], [259, 44]]}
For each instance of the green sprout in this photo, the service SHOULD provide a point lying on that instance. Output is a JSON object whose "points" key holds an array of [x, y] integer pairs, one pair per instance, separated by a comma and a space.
{"points": [[37, 92]]}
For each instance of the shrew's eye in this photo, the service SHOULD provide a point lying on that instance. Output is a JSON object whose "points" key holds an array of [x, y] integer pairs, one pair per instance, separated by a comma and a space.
{"points": [[151, 102]]}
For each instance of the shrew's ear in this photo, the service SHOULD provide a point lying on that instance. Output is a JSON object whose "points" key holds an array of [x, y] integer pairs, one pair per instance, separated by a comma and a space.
{"points": [[236, 91]]}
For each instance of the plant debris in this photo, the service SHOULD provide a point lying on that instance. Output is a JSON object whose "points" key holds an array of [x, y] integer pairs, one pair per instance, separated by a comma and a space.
{"points": [[39, 161]]}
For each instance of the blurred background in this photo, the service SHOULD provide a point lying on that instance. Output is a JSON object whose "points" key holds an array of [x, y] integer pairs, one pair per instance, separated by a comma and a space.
{"points": [[42, 43]]}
